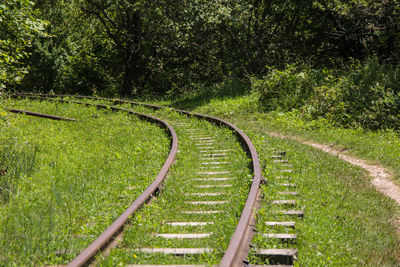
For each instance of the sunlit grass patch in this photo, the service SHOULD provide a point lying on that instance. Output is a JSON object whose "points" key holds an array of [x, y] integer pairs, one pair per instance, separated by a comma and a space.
{"points": [[176, 192], [347, 222], [86, 173]]}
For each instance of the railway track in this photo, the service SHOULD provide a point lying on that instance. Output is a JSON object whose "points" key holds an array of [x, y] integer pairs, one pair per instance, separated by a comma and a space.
{"points": [[213, 178], [36, 114]]}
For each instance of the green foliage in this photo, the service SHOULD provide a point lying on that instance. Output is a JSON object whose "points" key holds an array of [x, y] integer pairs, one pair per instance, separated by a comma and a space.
{"points": [[284, 90], [365, 94], [18, 26], [170, 47]]}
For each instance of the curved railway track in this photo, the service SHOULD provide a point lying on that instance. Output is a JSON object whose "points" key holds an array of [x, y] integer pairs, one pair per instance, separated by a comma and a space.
{"points": [[36, 114], [86, 256], [240, 242]]}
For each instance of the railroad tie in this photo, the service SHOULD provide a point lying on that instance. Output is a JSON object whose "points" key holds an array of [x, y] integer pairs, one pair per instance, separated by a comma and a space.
{"points": [[216, 151], [213, 185], [213, 179], [213, 158], [281, 161], [298, 213], [202, 211], [204, 139], [286, 202], [215, 155], [282, 237], [208, 194], [183, 236], [287, 165], [288, 184], [213, 172], [215, 163], [189, 223], [204, 143], [206, 202], [282, 224], [176, 251], [204, 147], [278, 256]]}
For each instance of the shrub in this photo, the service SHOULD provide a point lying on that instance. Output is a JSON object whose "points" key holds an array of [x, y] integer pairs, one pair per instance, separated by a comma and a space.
{"points": [[364, 95], [283, 90]]}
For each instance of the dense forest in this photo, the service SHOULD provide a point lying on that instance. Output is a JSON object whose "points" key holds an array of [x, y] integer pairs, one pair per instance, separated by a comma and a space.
{"points": [[336, 59]]}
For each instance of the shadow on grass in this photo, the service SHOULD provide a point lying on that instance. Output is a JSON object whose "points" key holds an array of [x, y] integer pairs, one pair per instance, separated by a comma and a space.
{"points": [[202, 96]]}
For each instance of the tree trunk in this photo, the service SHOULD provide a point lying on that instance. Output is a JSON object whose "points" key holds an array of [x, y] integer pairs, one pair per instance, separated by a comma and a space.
{"points": [[129, 78]]}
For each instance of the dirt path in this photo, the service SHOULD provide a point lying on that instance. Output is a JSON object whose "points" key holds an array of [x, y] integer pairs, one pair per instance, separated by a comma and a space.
{"points": [[381, 176]]}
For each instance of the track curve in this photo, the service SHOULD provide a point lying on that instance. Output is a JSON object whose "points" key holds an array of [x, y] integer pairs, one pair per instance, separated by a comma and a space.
{"points": [[239, 245], [86, 256]]}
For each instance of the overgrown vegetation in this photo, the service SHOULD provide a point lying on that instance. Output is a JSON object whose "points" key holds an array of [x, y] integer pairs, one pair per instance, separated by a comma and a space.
{"points": [[17, 160], [381, 146], [342, 209], [157, 47], [182, 182], [364, 94], [85, 174]]}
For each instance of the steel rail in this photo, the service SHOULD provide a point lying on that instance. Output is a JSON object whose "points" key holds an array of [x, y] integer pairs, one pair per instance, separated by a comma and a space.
{"points": [[239, 244], [87, 255], [36, 114]]}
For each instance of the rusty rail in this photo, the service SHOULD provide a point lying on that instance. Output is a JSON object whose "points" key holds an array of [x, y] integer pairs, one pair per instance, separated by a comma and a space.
{"points": [[41, 115], [239, 245], [106, 237]]}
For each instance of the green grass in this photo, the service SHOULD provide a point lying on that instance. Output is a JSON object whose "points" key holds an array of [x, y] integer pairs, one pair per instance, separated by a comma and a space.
{"points": [[381, 147], [84, 175], [347, 222], [167, 207]]}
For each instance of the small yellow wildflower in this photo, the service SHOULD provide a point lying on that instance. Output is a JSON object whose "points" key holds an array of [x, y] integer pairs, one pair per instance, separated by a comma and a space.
{"points": [[3, 114], [134, 255]]}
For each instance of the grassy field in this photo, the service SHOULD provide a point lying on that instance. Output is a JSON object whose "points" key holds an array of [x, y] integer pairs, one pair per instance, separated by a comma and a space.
{"points": [[67, 181], [381, 147], [346, 221], [181, 183]]}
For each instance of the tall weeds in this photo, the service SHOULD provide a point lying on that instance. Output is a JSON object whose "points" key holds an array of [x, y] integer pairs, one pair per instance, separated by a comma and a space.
{"points": [[16, 161]]}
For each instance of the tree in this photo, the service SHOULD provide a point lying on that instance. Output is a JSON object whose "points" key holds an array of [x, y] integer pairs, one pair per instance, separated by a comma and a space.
{"points": [[122, 23], [19, 26]]}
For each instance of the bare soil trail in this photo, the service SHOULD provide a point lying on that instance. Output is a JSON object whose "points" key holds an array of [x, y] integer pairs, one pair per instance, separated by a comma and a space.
{"points": [[381, 175]]}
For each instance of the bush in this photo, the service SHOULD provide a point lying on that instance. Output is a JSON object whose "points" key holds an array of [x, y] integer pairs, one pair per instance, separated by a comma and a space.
{"points": [[284, 90], [365, 94]]}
